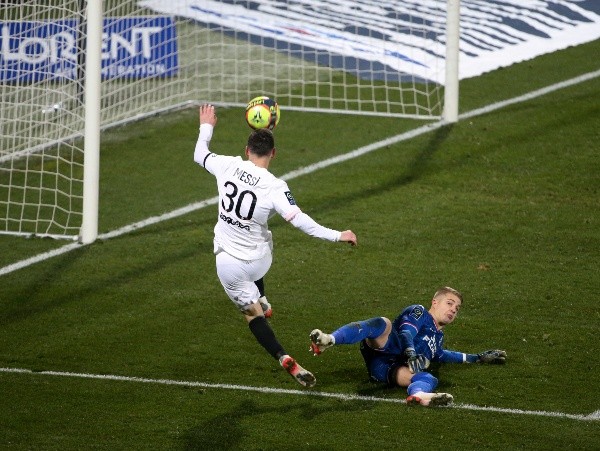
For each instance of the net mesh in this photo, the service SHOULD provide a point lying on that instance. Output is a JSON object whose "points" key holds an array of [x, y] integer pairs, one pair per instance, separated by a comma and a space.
{"points": [[364, 57]]}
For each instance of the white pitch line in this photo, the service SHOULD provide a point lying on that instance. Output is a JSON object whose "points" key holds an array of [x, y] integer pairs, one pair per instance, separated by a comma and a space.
{"points": [[531, 95], [306, 170], [595, 416]]}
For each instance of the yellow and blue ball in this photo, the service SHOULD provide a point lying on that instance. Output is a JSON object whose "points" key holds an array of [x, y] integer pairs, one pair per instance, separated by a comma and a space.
{"points": [[262, 112]]}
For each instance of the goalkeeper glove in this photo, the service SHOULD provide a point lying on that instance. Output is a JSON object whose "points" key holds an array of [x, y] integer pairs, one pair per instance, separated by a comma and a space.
{"points": [[492, 356], [416, 362]]}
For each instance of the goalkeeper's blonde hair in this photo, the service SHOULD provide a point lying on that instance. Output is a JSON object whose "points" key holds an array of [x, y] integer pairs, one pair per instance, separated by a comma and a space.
{"points": [[446, 290]]}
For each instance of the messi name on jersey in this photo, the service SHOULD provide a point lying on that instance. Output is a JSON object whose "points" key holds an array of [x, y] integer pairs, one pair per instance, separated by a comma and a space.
{"points": [[246, 177]]}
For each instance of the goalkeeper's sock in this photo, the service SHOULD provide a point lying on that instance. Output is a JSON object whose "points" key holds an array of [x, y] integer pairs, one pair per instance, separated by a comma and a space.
{"points": [[359, 330], [422, 382], [263, 333]]}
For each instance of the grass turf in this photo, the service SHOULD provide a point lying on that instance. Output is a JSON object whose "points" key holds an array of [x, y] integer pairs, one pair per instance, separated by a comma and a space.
{"points": [[502, 206]]}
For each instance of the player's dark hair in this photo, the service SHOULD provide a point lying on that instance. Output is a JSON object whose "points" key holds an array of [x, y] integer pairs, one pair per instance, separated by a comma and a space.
{"points": [[446, 290], [261, 142]]}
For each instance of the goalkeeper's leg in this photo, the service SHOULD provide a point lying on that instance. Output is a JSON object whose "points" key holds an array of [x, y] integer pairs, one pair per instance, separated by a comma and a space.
{"points": [[376, 330], [420, 392]]}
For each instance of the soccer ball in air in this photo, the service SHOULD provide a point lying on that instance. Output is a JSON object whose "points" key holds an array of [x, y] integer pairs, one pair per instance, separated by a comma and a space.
{"points": [[262, 112]]}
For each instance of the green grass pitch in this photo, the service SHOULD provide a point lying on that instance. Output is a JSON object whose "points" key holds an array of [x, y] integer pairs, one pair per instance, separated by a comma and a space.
{"points": [[503, 206]]}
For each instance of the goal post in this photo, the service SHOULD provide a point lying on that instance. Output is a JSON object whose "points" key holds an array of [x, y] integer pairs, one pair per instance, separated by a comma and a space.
{"points": [[91, 141], [450, 112], [135, 58]]}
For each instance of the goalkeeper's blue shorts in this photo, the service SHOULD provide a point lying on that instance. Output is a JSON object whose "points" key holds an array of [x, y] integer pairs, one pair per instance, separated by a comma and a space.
{"points": [[382, 366]]}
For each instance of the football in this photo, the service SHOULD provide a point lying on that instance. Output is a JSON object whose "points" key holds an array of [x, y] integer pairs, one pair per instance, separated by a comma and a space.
{"points": [[262, 112]]}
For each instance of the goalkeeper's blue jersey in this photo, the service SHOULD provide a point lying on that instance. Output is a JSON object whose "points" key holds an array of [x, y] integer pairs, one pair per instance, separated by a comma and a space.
{"points": [[415, 327]]}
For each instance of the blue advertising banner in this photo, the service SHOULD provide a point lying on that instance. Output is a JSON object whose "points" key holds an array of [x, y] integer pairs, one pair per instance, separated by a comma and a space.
{"points": [[133, 47]]}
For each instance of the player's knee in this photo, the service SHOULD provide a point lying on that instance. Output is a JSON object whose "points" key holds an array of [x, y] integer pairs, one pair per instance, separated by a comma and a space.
{"points": [[377, 326], [380, 321], [388, 324], [251, 311]]}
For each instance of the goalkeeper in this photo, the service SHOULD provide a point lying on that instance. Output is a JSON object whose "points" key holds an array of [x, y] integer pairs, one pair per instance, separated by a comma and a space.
{"points": [[399, 353]]}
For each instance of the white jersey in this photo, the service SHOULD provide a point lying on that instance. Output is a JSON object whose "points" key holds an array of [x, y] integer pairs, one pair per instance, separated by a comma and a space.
{"points": [[248, 196]]}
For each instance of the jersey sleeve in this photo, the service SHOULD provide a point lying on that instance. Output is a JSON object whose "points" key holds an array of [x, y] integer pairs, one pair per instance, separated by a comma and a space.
{"points": [[457, 357], [285, 205], [202, 152], [311, 227], [283, 201], [409, 324]]}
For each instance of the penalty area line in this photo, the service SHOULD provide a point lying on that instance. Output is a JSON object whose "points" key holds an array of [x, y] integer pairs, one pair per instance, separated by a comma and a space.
{"points": [[595, 416]]}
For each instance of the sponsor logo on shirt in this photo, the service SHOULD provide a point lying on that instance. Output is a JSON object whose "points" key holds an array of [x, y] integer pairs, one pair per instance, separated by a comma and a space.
{"points": [[290, 198], [234, 222]]}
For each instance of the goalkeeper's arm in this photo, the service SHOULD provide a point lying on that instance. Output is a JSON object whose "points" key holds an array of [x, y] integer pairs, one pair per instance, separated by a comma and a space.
{"points": [[416, 362], [491, 356]]}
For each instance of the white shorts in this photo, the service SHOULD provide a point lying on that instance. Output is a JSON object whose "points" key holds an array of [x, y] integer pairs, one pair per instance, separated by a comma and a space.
{"points": [[238, 276]]}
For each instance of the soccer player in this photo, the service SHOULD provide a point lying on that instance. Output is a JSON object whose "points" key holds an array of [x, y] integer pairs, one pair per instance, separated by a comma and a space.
{"points": [[398, 353], [248, 196]]}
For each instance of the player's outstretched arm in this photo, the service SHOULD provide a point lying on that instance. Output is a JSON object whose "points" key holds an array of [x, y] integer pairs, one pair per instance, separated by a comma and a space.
{"points": [[208, 119], [349, 237], [309, 226]]}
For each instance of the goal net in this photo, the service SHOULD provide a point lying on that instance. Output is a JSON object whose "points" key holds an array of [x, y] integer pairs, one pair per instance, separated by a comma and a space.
{"points": [[362, 57]]}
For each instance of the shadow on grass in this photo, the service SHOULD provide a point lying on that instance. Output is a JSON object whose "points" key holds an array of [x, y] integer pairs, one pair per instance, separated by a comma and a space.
{"points": [[230, 430], [32, 299], [416, 169]]}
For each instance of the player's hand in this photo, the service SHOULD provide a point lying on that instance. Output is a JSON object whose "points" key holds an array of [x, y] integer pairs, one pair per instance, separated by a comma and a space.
{"points": [[349, 237], [416, 362], [493, 356], [207, 115]]}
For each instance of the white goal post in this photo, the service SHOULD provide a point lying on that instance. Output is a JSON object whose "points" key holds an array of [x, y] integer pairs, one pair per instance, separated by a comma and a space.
{"points": [[71, 68]]}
